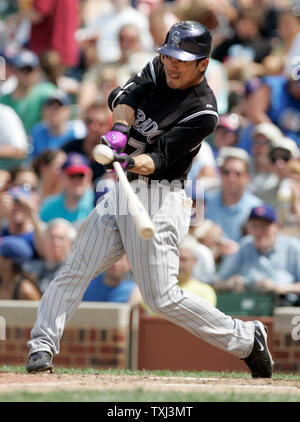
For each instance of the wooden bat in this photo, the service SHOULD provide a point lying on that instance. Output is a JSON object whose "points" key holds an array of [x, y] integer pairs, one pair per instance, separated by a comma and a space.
{"points": [[144, 225]]}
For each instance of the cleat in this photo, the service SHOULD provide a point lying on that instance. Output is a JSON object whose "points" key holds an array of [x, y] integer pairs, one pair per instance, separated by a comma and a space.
{"points": [[40, 362], [260, 360]]}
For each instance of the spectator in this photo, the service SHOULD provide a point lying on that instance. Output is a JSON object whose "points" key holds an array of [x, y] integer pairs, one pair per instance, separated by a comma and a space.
{"points": [[76, 200], [160, 21], [188, 260], [226, 133], [107, 27], [113, 286], [13, 138], [283, 195], [230, 205], [53, 27], [19, 217], [14, 282], [55, 73], [58, 238], [132, 58], [26, 178], [48, 168], [267, 260], [29, 95], [217, 78], [56, 129], [210, 235], [288, 26], [5, 178], [277, 100], [97, 119], [244, 52], [9, 80], [204, 169], [263, 177]]}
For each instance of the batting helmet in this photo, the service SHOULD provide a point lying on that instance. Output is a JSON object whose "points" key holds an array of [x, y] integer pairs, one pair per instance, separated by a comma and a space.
{"points": [[187, 41]]}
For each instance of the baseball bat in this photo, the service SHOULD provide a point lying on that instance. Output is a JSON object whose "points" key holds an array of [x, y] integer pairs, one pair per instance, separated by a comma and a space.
{"points": [[144, 225], [139, 215]]}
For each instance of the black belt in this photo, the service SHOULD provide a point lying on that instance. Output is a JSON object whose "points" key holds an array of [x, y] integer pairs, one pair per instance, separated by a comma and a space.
{"points": [[175, 184]]}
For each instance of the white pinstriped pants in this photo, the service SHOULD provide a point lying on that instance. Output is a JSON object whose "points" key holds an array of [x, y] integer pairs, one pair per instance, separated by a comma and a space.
{"points": [[102, 239]]}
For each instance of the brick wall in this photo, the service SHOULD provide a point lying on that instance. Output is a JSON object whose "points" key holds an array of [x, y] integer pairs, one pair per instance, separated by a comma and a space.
{"points": [[80, 347], [163, 345], [97, 336], [105, 336]]}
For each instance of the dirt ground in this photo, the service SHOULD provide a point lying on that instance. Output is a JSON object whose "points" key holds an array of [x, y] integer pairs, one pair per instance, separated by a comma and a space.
{"points": [[46, 382]]}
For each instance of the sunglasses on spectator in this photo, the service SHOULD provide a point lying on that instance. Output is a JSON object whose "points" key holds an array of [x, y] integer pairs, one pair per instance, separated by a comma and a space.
{"points": [[261, 142], [76, 176], [26, 69], [227, 172], [284, 157], [54, 102]]}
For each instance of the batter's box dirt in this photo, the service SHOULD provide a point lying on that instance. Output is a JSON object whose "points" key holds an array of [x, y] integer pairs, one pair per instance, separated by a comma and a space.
{"points": [[47, 382]]}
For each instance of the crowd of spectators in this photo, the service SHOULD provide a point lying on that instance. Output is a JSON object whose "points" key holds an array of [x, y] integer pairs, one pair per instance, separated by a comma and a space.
{"points": [[59, 60]]}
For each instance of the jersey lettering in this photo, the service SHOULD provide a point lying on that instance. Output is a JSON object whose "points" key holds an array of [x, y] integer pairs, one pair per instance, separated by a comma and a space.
{"points": [[139, 147]]}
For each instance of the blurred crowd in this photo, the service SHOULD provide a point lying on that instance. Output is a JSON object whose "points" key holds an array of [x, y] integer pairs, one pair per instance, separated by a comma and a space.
{"points": [[59, 60]]}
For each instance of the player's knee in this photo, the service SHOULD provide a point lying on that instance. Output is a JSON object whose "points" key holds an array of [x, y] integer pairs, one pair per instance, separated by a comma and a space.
{"points": [[164, 303]]}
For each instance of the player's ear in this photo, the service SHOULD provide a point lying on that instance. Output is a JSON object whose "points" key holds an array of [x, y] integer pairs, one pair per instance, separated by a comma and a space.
{"points": [[202, 65], [161, 56]]}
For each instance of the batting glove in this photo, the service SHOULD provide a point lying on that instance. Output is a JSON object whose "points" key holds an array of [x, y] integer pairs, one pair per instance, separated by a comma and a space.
{"points": [[117, 137], [125, 160]]}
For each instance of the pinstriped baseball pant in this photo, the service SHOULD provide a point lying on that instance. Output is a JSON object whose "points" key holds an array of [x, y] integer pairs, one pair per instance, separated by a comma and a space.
{"points": [[103, 238]]}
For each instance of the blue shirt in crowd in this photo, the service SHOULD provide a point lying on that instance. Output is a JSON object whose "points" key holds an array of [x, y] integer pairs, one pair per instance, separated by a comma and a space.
{"points": [[232, 219], [98, 291], [281, 264], [54, 207], [43, 139]]}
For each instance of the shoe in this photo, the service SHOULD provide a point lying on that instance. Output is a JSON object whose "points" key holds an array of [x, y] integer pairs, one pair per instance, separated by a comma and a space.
{"points": [[260, 360], [40, 362]]}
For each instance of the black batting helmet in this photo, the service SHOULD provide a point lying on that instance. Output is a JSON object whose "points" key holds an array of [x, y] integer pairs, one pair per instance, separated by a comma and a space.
{"points": [[187, 41]]}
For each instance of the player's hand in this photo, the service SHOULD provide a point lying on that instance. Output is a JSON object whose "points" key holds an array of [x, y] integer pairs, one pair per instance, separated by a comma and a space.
{"points": [[125, 160], [117, 137]]}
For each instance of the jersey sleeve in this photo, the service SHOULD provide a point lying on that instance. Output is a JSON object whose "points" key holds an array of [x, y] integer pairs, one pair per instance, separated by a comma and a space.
{"points": [[138, 86]]}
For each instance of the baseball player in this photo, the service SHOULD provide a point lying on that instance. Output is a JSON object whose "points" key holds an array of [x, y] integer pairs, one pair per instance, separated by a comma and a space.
{"points": [[160, 118]]}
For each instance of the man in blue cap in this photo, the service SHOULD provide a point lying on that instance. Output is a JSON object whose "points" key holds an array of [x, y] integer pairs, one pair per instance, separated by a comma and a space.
{"points": [[29, 95], [267, 260]]}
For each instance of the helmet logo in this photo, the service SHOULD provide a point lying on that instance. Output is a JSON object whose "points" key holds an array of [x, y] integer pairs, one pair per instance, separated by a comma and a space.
{"points": [[175, 37]]}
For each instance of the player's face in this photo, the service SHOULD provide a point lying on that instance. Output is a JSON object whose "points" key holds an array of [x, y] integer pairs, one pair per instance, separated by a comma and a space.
{"points": [[183, 75]]}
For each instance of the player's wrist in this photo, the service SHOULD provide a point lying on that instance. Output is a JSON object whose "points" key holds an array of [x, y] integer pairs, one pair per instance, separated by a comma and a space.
{"points": [[121, 127]]}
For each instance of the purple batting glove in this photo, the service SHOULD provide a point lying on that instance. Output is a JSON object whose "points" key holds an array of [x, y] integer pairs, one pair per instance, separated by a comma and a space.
{"points": [[125, 160], [117, 137]]}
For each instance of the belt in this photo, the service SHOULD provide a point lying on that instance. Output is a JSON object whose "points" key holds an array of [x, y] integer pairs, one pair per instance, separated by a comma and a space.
{"points": [[174, 184]]}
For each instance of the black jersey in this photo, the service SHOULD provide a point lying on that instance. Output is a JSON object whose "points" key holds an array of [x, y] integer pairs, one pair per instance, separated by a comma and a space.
{"points": [[170, 124]]}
